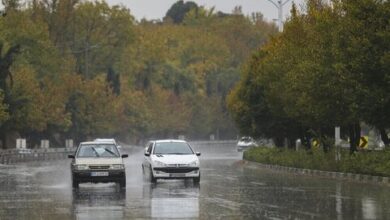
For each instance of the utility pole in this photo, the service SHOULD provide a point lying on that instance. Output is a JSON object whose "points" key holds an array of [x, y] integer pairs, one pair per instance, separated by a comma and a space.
{"points": [[279, 5]]}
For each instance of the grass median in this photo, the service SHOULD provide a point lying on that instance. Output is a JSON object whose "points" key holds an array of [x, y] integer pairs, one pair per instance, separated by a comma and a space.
{"points": [[375, 163]]}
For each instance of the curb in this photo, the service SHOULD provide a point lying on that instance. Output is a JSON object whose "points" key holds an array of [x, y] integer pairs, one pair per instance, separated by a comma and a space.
{"points": [[328, 174]]}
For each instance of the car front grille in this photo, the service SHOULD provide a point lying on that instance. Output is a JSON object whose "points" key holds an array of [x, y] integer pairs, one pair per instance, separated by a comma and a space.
{"points": [[178, 165], [176, 169], [99, 167]]}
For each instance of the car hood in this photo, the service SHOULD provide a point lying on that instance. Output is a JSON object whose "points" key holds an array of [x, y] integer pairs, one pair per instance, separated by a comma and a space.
{"points": [[242, 143], [175, 159], [98, 161]]}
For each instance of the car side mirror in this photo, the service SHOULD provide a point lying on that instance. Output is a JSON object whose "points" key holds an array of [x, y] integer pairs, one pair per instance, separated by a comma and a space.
{"points": [[198, 153], [71, 156], [125, 155], [147, 154]]}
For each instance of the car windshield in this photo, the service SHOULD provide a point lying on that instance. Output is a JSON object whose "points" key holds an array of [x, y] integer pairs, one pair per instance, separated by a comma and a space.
{"points": [[246, 139], [172, 148], [98, 150]]}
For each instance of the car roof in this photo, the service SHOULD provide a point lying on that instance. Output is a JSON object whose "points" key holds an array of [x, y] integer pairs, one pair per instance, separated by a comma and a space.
{"points": [[170, 140], [105, 140], [96, 142]]}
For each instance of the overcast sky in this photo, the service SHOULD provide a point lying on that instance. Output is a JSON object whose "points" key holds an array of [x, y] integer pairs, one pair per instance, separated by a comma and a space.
{"points": [[156, 9]]}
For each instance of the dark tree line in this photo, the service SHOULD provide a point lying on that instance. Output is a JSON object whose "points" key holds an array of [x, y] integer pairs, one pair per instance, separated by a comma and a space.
{"points": [[330, 67]]}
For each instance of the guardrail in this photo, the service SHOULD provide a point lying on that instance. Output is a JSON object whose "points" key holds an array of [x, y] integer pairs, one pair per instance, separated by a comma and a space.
{"points": [[214, 147], [12, 156], [213, 142]]}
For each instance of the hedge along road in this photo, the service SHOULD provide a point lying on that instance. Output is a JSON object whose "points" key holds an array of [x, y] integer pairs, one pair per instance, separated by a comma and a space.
{"points": [[229, 189]]}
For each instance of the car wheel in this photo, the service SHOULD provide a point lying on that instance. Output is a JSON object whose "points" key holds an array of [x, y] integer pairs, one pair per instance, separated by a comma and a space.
{"points": [[75, 183], [152, 178], [122, 182], [197, 179]]}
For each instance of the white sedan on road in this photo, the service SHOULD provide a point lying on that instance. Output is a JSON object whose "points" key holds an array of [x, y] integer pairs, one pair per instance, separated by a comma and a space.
{"points": [[245, 143], [171, 159], [98, 162]]}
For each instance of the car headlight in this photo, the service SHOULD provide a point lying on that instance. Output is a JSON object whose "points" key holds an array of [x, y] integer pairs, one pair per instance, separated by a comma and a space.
{"points": [[194, 163], [159, 164], [81, 167], [117, 167]]}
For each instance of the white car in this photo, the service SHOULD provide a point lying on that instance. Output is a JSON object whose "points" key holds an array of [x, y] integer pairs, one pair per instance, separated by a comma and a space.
{"points": [[171, 159], [98, 162], [245, 143]]}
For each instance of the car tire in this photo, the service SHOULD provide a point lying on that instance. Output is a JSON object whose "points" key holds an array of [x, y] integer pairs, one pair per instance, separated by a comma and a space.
{"points": [[197, 179], [75, 183], [122, 182], [152, 178]]}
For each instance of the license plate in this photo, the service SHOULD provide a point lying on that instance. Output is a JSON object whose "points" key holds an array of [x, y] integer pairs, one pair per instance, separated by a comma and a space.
{"points": [[99, 174], [177, 175]]}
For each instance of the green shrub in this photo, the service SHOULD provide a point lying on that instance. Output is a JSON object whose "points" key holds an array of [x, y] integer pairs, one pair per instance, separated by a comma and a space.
{"points": [[365, 162]]}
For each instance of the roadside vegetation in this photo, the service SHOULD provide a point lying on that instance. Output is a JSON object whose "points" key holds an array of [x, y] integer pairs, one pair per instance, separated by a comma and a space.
{"points": [[371, 163], [329, 67], [83, 69]]}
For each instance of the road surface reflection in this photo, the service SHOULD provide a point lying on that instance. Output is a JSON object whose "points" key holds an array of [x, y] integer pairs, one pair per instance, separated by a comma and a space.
{"points": [[229, 189]]}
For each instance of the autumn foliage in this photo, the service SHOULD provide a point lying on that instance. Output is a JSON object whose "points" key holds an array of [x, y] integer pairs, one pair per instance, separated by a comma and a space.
{"points": [[84, 69]]}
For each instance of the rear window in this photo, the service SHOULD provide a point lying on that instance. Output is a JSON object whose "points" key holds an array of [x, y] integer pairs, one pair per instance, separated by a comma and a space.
{"points": [[98, 150], [172, 148]]}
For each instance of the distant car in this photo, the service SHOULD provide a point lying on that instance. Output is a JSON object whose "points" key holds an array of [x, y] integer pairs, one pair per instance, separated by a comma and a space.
{"points": [[24, 151], [171, 159], [98, 162], [245, 143], [112, 140]]}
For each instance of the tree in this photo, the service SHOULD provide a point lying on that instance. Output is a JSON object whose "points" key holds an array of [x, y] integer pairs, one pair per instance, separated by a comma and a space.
{"points": [[113, 81], [178, 11], [91, 70], [135, 119], [10, 5], [364, 50], [95, 110], [326, 69], [254, 112], [5, 64], [169, 115], [100, 35], [4, 116]]}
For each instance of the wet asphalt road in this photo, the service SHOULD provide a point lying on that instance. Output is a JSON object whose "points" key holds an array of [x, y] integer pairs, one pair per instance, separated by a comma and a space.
{"points": [[228, 189]]}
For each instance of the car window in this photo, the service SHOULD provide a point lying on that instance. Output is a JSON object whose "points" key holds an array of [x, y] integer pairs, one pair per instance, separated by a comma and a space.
{"points": [[150, 148], [246, 139], [172, 148], [98, 150]]}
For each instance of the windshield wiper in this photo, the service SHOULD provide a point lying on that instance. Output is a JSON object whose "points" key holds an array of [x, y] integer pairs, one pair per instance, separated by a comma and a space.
{"points": [[109, 151], [94, 150]]}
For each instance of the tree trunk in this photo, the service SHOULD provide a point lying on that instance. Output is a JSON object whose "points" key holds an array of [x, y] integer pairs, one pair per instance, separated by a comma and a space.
{"points": [[3, 139], [291, 143], [384, 137], [279, 141], [305, 140], [354, 136]]}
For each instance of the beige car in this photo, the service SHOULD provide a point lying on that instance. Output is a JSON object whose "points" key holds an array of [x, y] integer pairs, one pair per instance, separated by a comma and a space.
{"points": [[98, 162]]}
